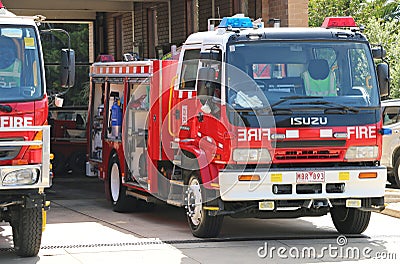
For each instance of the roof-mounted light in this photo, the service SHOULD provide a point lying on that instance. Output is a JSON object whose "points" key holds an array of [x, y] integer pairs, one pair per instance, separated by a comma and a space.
{"points": [[237, 21], [339, 22], [1, 5]]}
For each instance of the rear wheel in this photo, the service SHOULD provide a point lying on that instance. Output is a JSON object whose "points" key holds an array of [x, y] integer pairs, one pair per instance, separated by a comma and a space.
{"points": [[120, 201], [77, 162], [201, 224], [350, 220], [27, 231]]}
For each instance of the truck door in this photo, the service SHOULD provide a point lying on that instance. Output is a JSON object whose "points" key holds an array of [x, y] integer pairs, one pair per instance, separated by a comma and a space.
{"points": [[185, 94], [210, 128]]}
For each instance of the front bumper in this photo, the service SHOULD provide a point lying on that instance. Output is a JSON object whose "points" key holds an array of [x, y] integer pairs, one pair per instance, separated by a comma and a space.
{"points": [[42, 170], [231, 189]]}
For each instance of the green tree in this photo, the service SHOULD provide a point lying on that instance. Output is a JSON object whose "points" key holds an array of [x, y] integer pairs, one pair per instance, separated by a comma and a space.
{"points": [[381, 21], [52, 44]]}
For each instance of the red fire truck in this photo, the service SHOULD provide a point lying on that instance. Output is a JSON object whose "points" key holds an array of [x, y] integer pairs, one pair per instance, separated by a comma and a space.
{"points": [[213, 134], [24, 133]]}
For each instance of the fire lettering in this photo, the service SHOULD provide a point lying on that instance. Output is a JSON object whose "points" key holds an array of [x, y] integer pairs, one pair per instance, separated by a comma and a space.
{"points": [[15, 121], [361, 132], [253, 134]]}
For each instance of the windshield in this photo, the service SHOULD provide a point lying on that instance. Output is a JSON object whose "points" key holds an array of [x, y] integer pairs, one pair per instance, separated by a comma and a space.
{"points": [[20, 70], [293, 75]]}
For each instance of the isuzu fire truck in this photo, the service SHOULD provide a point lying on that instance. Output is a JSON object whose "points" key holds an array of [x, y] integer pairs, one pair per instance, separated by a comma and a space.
{"points": [[237, 128], [24, 133]]}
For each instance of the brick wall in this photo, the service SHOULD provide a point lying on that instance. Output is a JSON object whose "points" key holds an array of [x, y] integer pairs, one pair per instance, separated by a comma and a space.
{"points": [[127, 35], [298, 13], [292, 13], [255, 10], [224, 7], [178, 10], [205, 12], [162, 23], [178, 29]]}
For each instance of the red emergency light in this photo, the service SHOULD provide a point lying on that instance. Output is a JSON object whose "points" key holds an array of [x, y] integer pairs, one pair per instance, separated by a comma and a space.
{"points": [[339, 22], [1, 5]]}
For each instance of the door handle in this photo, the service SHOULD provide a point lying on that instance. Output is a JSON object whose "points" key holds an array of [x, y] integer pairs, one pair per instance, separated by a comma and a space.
{"points": [[200, 117]]}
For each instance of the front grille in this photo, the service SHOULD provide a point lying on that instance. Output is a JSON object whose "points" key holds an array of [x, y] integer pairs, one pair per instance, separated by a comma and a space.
{"points": [[310, 143], [306, 154], [8, 153]]}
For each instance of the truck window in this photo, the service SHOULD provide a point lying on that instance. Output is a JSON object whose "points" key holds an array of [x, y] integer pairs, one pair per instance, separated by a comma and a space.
{"points": [[361, 76], [391, 115], [20, 74], [190, 65], [278, 71]]}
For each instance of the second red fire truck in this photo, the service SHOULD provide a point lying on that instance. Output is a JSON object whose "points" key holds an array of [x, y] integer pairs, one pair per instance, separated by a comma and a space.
{"points": [[249, 122]]}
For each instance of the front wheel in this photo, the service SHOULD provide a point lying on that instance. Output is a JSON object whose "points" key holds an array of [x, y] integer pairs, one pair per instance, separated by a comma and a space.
{"points": [[395, 178], [350, 220], [201, 224], [27, 231], [120, 201]]}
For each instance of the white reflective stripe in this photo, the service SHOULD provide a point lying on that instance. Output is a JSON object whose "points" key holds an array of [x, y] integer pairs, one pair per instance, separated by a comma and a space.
{"points": [[332, 83], [325, 133], [292, 133], [10, 74], [16, 66], [307, 82], [190, 95], [180, 94], [14, 73]]}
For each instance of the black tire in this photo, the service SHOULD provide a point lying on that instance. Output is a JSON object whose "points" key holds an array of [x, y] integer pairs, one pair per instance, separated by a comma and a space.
{"points": [[77, 163], [200, 222], [27, 231], [58, 163], [350, 220], [395, 178], [120, 201]]}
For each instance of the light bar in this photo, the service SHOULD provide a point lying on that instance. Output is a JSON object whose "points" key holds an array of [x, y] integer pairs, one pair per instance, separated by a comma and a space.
{"points": [[338, 22], [236, 22]]}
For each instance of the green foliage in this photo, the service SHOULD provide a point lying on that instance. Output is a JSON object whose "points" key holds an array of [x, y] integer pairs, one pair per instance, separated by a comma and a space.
{"points": [[52, 45], [387, 33], [381, 21]]}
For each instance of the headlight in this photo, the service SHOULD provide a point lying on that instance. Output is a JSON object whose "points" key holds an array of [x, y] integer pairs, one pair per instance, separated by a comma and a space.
{"points": [[251, 155], [362, 153], [21, 177]]}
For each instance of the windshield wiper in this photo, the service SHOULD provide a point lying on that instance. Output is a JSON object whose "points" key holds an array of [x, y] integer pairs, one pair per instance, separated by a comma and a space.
{"points": [[334, 109], [295, 97], [5, 108]]}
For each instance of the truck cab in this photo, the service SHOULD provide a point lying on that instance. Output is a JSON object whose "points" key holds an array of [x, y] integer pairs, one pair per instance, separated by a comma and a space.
{"points": [[25, 169]]}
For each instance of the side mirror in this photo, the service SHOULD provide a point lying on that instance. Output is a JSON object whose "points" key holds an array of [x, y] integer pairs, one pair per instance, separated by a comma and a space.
{"points": [[378, 52], [383, 78], [67, 68]]}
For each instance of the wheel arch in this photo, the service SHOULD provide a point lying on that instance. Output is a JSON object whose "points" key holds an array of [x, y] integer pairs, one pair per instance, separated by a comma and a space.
{"points": [[195, 158], [395, 156]]}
